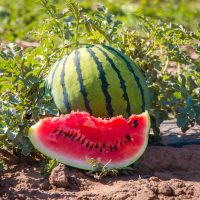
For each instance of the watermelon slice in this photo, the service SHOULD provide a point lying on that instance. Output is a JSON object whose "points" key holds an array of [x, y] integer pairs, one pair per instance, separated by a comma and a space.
{"points": [[76, 137]]}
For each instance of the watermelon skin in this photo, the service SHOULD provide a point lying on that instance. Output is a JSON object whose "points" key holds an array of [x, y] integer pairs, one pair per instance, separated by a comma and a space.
{"points": [[72, 138], [99, 80]]}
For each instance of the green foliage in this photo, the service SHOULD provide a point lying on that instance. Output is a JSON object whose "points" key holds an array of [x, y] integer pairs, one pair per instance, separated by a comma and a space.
{"points": [[17, 18], [99, 170], [21, 89], [3, 166], [153, 47], [183, 12], [47, 166]]}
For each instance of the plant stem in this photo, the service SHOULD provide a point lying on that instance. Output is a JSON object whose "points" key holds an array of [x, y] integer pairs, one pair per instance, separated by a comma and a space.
{"points": [[76, 34], [61, 48], [44, 4], [166, 65], [101, 32]]}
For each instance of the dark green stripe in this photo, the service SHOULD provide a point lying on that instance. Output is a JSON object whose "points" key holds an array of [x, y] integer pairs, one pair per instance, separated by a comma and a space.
{"points": [[122, 82], [104, 82], [65, 95], [128, 63], [80, 79], [54, 71]]}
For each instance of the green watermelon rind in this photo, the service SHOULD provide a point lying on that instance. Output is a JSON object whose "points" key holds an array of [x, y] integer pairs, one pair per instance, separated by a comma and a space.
{"points": [[73, 78], [84, 165]]}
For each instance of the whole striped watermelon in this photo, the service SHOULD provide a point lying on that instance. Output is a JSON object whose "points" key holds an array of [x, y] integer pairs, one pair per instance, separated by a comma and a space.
{"points": [[100, 80]]}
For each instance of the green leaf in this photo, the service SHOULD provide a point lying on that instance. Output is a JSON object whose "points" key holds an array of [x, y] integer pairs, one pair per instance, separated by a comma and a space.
{"points": [[177, 95], [182, 120], [161, 115], [26, 147], [3, 166]]}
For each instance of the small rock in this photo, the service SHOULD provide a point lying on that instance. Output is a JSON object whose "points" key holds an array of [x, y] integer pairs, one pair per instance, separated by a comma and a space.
{"points": [[58, 177], [166, 190]]}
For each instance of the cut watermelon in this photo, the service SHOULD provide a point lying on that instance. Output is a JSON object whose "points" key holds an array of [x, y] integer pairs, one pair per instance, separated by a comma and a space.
{"points": [[74, 138]]}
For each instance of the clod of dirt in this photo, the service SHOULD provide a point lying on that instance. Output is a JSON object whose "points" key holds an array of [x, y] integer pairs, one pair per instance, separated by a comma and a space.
{"points": [[66, 177], [59, 177], [166, 190], [146, 193], [45, 185]]}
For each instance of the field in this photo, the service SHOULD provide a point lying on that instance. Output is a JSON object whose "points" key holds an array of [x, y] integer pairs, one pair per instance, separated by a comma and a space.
{"points": [[161, 37]]}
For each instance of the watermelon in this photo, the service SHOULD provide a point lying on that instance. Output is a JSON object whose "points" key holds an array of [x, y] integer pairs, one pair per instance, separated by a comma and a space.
{"points": [[76, 137], [100, 80]]}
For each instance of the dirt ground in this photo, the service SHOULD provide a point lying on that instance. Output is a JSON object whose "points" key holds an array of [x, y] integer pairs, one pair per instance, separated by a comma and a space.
{"points": [[164, 172]]}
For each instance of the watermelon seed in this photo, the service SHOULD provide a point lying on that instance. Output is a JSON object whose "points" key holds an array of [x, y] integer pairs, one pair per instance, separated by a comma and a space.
{"points": [[54, 131], [100, 150], [91, 147], [83, 140], [115, 147], [128, 137], [87, 145], [135, 123], [104, 145], [97, 146], [111, 148]]}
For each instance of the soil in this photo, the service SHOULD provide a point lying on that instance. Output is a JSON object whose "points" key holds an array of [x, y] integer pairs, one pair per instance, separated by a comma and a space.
{"points": [[163, 172]]}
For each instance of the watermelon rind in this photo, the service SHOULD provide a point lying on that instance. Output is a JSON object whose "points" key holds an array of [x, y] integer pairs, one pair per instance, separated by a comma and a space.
{"points": [[120, 86]]}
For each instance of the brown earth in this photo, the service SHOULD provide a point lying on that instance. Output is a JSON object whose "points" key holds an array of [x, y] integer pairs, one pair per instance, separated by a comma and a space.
{"points": [[163, 172]]}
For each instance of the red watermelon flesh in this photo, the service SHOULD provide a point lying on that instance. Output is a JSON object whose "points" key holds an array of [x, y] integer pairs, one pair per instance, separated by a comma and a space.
{"points": [[75, 137]]}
